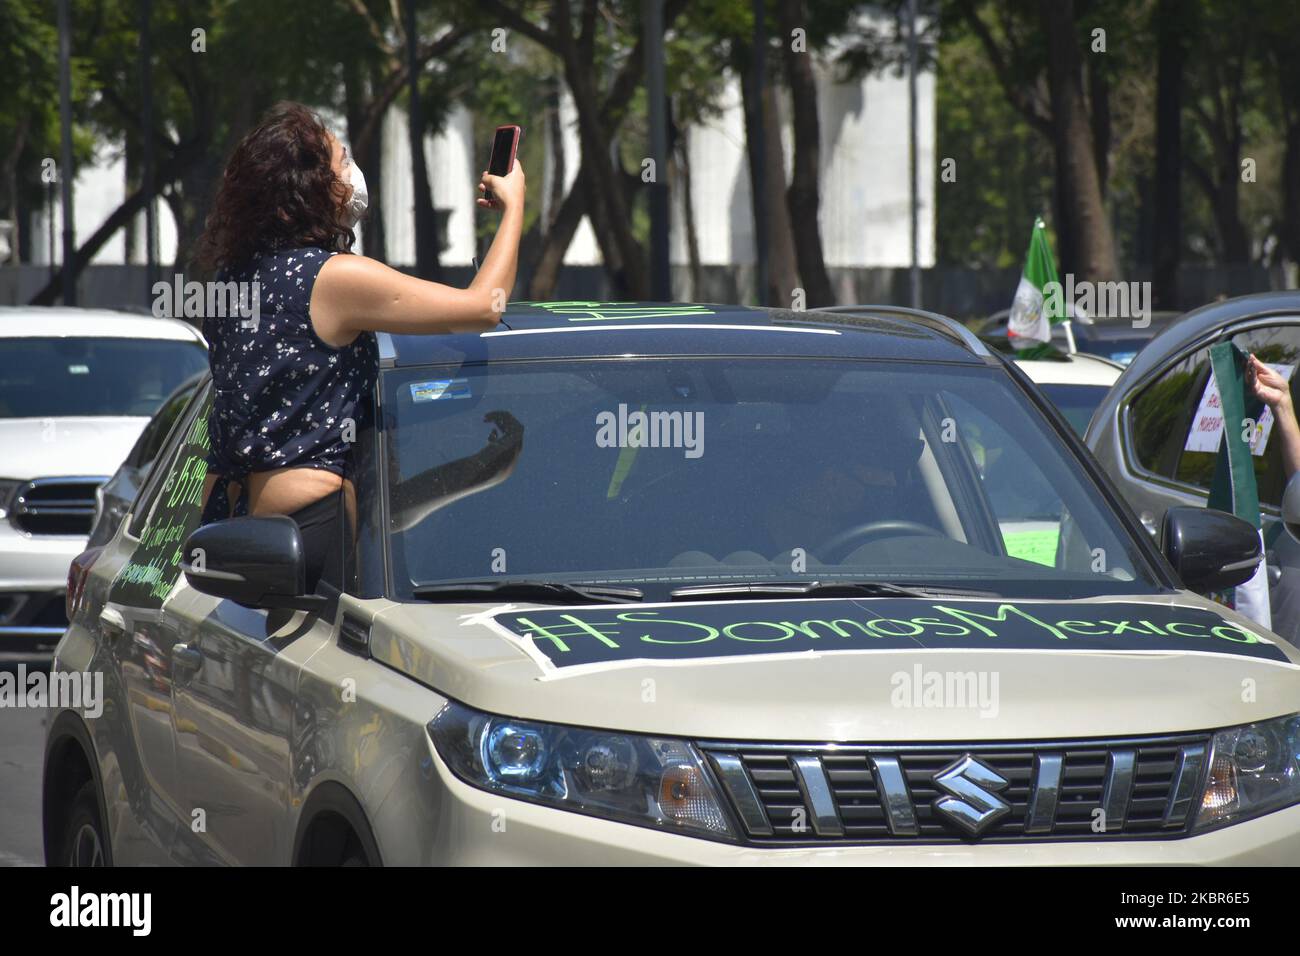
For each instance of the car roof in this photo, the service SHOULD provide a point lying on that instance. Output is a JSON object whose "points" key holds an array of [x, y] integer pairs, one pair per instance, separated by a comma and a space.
{"points": [[1114, 330], [1078, 368], [1208, 320], [589, 329], [61, 321]]}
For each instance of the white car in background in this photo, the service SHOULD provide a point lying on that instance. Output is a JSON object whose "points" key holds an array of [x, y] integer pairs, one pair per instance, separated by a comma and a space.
{"points": [[1075, 383], [77, 387]]}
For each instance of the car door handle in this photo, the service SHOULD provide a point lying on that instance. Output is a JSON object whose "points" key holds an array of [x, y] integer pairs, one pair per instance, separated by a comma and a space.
{"points": [[185, 656], [1274, 574]]}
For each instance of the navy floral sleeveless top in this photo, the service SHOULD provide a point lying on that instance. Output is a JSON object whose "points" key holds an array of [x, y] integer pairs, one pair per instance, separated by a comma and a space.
{"points": [[282, 397]]}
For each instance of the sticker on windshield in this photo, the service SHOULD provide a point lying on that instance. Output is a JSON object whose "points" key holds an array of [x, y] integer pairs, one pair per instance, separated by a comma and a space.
{"points": [[444, 388], [587, 635]]}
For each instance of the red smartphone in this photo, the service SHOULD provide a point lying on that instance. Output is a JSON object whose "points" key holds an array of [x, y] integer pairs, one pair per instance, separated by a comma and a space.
{"points": [[504, 146]]}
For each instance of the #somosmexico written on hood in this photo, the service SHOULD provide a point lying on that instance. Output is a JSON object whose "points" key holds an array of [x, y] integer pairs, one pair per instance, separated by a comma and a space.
{"points": [[611, 635]]}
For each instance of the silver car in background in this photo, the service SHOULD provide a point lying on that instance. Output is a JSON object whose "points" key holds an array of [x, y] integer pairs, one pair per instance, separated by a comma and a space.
{"points": [[1140, 434], [77, 388]]}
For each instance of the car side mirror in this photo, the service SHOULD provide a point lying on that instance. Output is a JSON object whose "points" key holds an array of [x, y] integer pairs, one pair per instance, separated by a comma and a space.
{"points": [[1291, 506], [1211, 550], [256, 560]]}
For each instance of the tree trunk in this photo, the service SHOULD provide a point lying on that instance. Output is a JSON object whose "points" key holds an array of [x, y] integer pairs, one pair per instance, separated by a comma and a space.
{"points": [[366, 136], [803, 198], [556, 243], [1227, 211], [168, 172], [1091, 242], [559, 168], [1099, 103], [782, 273], [1168, 233], [427, 264], [1291, 192], [688, 216], [782, 270], [611, 217], [11, 184]]}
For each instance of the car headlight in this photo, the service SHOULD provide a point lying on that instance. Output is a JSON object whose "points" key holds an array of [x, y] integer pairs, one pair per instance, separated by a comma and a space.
{"points": [[1253, 769], [7, 488], [648, 781]]}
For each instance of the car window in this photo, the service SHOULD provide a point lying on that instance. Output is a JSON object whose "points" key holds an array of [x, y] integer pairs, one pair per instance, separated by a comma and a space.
{"points": [[744, 469], [1029, 511], [195, 410], [81, 375], [1076, 402], [1163, 418], [173, 501], [159, 428], [1275, 345]]}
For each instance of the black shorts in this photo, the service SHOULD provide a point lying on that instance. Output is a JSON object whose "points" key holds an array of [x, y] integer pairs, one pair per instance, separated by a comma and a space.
{"points": [[327, 548]]}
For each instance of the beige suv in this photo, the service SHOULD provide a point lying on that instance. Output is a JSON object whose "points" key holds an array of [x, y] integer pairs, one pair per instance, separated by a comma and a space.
{"points": [[637, 583]]}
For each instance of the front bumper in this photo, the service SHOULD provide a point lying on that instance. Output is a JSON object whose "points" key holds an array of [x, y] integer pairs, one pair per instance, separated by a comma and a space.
{"points": [[33, 579], [477, 828]]}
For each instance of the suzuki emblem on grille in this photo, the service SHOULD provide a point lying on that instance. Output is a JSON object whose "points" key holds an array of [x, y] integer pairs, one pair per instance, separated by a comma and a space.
{"points": [[972, 802]]}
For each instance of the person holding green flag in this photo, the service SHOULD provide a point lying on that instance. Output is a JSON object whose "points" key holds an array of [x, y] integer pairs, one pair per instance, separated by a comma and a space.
{"points": [[1028, 325], [1275, 392], [1243, 379]]}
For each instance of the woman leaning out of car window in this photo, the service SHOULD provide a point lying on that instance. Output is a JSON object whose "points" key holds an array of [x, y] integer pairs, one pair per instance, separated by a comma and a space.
{"points": [[289, 383]]}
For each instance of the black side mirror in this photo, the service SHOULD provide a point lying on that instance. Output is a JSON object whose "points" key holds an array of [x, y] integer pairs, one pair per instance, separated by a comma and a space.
{"points": [[1210, 550], [257, 561]]}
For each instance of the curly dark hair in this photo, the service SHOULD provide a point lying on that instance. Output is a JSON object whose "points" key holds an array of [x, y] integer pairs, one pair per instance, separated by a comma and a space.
{"points": [[278, 191]]}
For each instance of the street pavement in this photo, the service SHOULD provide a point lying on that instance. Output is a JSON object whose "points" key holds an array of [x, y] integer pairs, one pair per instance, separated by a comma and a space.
{"points": [[22, 739]]}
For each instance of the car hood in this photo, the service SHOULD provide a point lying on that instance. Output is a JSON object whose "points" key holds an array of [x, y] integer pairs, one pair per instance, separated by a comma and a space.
{"points": [[808, 671], [52, 447]]}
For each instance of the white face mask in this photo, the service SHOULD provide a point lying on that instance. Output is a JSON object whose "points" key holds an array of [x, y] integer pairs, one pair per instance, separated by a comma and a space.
{"points": [[360, 198]]}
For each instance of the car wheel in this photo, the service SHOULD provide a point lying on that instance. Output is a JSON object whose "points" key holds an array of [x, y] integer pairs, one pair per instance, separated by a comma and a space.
{"points": [[354, 855], [83, 840]]}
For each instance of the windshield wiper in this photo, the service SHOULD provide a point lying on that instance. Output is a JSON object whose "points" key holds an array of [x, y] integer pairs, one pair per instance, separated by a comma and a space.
{"points": [[530, 591], [796, 589]]}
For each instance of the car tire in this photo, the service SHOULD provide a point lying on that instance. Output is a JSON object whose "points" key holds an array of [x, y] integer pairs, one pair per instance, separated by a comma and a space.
{"points": [[355, 858], [84, 840]]}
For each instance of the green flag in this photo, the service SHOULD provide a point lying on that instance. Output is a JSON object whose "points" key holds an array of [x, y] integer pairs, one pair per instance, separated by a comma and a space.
{"points": [[1233, 488], [1028, 326]]}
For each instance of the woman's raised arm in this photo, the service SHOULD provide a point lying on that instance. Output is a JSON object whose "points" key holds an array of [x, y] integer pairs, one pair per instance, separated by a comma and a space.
{"points": [[356, 294]]}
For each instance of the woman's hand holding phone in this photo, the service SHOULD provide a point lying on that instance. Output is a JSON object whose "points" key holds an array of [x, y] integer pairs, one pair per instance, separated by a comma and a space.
{"points": [[508, 190], [502, 168]]}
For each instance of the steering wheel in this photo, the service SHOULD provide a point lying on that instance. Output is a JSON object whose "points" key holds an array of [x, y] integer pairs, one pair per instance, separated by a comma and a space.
{"points": [[839, 545]]}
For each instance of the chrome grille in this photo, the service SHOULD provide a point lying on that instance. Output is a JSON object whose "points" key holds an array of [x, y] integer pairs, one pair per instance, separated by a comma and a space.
{"points": [[55, 505], [792, 795]]}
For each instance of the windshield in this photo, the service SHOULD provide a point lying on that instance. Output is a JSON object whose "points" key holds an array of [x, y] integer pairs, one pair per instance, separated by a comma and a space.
{"points": [[1076, 402], [664, 473], [56, 377]]}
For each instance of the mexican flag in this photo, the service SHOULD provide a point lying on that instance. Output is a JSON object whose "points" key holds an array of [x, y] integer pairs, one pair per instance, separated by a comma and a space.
{"points": [[1028, 326], [1232, 487]]}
